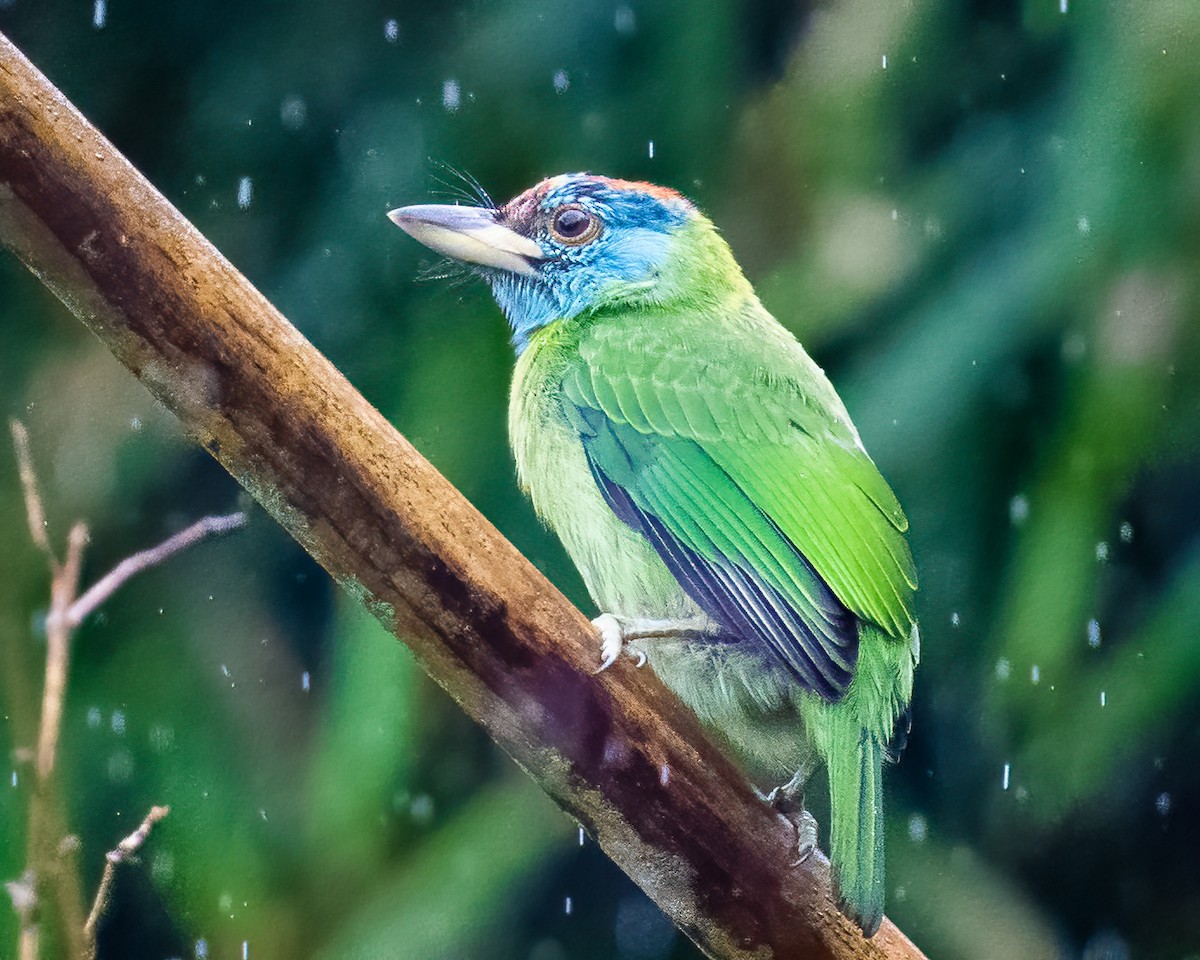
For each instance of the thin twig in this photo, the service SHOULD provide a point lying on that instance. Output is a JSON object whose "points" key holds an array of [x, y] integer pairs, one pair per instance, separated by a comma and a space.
{"points": [[125, 850], [112, 581], [58, 650], [34, 513]]}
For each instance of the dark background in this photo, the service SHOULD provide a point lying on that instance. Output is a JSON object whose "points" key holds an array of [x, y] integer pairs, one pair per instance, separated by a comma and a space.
{"points": [[989, 240]]}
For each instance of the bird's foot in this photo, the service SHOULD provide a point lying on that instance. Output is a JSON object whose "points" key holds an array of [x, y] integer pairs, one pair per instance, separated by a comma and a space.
{"points": [[613, 640], [806, 835], [788, 801], [616, 632]]}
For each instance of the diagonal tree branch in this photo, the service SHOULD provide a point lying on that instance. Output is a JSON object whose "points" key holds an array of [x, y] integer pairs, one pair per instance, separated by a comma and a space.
{"points": [[616, 751]]}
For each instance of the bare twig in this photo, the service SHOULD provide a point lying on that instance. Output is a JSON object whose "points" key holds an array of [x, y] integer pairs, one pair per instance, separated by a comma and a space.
{"points": [[33, 501], [125, 850], [112, 581], [67, 611], [58, 650]]}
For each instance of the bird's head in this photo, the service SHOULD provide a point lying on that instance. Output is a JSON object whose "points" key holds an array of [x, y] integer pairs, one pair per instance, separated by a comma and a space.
{"points": [[577, 244]]}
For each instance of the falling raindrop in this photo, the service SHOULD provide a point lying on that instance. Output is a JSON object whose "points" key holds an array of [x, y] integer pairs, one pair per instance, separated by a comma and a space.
{"points": [[651, 149], [562, 81], [293, 113], [1018, 509], [1162, 803], [245, 193], [582, 836], [1103, 699], [1035, 674], [118, 723], [1102, 551], [884, 61], [99, 14], [955, 619], [1126, 532], [1093, 633], [391, 31], [918, 828], [305, 683], [569, 906], [1003, 669], [451, 96], [624, 21], [201, 950], [1004, 780], [1084, 226]]}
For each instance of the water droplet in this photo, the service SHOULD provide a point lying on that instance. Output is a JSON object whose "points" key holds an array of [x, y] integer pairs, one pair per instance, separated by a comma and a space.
{"points": [[1074, 347], [1093, 633], [245, 193], [99, 14], [1018, 509], [451, 96], [651, 149], [120, 766], [391, 31], [162, 737], [1162, 803], [562, 82], [1126, 532], [118, 723], [421, 809], [201, 950], [955, 619], [1035, 674], [582, 836], [1102, 551], [883, 60], [14, 779], [1103, 699], [1084, 226], [293, 113], [918, 829], [305, 682], [1062, 6], [245, 950], [568, 906], [624, 21], [1004, 779], [1003, 669]]}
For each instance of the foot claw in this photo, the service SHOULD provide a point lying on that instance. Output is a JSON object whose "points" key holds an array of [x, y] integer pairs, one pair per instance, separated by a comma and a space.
{"points": [[611, 640]]}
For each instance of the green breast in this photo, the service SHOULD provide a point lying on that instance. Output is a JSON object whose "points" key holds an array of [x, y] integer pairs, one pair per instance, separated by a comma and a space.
{"points": [[622, 572]]}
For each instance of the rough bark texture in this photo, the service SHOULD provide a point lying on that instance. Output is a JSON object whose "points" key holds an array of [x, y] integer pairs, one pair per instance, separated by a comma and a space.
{"points": [[615, 751]]}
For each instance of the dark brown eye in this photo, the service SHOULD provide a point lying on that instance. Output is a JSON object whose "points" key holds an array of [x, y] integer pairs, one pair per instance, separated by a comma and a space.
{"points": [[574, 225]]}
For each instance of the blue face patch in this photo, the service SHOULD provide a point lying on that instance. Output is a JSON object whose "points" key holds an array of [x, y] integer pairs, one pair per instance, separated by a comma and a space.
{"points": [[635, 226]]}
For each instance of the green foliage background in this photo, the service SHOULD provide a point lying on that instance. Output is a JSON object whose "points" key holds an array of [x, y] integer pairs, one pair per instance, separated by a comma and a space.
{"points": [[983, 218]]}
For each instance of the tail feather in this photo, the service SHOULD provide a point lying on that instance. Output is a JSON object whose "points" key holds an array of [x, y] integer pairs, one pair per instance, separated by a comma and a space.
{"points": [[856, 827]]}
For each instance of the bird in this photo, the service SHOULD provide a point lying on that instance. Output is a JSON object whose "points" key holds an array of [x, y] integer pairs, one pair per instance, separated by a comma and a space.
{"points": [[708, 483]]}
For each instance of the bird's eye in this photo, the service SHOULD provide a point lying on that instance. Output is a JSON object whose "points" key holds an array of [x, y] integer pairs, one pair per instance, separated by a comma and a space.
{"points": [[574, 225]]}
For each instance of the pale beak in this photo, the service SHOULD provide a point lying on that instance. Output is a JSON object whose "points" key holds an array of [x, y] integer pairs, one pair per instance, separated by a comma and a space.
{"points": [[470, 234]]}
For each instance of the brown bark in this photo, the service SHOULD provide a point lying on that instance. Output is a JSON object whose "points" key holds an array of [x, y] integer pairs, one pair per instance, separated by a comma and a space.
{"points": [[616, 751]]}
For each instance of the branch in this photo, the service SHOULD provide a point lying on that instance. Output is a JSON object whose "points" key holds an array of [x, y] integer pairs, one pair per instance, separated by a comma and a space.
{"points": [[34, 514], [125, 850], [617, 751], [112, 581]]}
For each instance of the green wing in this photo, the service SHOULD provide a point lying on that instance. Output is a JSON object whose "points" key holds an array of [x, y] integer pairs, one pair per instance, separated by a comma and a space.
{"points": [[731, 452]]}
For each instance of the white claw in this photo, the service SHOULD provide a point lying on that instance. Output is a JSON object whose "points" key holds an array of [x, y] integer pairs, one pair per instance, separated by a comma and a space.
{"points": [[612, 642]]}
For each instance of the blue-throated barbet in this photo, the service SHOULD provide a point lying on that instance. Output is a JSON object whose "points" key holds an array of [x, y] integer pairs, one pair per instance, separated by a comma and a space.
{"points": [[706, 479]]}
